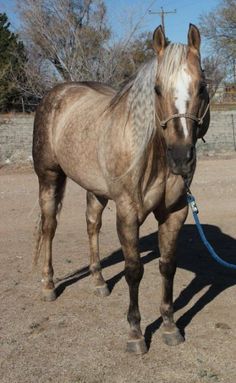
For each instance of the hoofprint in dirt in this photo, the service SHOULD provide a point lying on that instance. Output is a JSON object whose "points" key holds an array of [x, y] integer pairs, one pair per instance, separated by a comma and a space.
{"points": [[81, 337]]}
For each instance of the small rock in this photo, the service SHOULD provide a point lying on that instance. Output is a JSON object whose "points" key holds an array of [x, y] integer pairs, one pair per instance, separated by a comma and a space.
{"points": [[223, 326]]}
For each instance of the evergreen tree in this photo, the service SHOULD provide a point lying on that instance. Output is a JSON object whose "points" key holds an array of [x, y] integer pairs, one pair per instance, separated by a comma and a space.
{"points": [[11, 54]]}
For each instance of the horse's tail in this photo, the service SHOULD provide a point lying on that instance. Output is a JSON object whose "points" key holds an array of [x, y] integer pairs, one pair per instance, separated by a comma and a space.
{"points": [[38, 235]]}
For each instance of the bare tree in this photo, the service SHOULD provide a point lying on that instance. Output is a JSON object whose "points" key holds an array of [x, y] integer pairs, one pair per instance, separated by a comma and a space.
{"points": [[215, 73], [69, 34], [69, 40], [219, 28]]}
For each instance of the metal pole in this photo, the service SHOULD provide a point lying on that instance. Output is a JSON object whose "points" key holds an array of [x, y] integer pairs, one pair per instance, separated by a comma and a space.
{"points": [[234, 139], [162, 13], [163, 19], [23, 105]]}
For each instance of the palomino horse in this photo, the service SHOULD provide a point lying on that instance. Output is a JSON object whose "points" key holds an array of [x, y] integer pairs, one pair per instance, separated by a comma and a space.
{"points": [[136, 147]]}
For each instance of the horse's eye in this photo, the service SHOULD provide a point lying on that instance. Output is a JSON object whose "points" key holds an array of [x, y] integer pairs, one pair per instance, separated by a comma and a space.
{"points": [[157, 90]]}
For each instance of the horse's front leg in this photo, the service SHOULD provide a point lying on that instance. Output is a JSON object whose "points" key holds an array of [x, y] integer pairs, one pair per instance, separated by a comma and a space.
{"points": [[128, 231], [169, 227]]}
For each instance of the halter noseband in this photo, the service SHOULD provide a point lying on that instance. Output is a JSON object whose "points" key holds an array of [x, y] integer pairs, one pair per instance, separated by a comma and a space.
{"points": [[199, 120]]}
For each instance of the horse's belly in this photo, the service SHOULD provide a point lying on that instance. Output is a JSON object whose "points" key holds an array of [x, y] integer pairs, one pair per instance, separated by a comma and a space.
{"points": [[86, 177]]}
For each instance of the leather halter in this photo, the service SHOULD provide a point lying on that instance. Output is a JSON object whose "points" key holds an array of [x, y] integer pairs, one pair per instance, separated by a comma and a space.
{"points": [[199, 120]]}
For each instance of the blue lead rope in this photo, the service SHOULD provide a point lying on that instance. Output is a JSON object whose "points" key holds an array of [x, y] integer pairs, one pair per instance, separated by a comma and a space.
{"points": [[193, 205]]}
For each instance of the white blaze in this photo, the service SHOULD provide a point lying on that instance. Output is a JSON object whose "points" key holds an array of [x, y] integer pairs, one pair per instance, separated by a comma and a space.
{"points": [[182, 95]]}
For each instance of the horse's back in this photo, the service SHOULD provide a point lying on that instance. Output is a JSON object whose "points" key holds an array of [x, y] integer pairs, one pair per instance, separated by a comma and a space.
{"points": [[66, 130]]}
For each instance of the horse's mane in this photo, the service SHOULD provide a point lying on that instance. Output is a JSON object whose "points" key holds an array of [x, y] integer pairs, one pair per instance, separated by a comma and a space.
{"points": [[140, 96]]}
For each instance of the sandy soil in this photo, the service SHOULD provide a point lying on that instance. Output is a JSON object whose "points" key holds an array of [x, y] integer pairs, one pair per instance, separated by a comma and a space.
{"points": [[80, 337]]}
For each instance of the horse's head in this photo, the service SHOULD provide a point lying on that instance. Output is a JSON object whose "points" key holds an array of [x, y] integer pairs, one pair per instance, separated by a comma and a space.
{"points": [[182, 101]]}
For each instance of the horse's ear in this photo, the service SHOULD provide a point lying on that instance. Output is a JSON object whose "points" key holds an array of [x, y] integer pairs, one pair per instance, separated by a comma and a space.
{"points": [[194, 38], [159, 40]]}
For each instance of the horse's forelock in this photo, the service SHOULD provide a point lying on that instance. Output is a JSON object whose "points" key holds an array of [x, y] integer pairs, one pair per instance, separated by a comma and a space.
{"points": [[174, 58]]}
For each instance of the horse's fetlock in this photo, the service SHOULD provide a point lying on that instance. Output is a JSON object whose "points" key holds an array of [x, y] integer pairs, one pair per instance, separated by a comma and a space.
{"points": [[95, 267], [47, 282], [166, 309], [134, 318], [48, 273]]}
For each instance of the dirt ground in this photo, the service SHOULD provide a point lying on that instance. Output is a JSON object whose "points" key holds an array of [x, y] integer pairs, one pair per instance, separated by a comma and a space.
{"points": [[81, 337]]}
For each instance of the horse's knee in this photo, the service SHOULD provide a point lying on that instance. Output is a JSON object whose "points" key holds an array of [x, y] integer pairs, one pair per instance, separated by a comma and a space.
{"points": [[134, 271], [167, 269]]}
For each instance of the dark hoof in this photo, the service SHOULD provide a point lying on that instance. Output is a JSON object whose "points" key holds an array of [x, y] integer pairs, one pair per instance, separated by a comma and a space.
{"points": [[137, 346], [102, 291], [49, 295], [172, 338]]}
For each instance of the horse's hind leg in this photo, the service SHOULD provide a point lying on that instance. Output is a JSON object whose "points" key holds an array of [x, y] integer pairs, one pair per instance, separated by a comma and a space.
{"points": [[51, 190], [169, 227], [95, 207]]}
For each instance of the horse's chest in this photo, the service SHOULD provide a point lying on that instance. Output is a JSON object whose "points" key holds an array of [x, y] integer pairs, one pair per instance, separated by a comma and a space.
{"points": [[163, 194], [153, 198], [175, 188]]}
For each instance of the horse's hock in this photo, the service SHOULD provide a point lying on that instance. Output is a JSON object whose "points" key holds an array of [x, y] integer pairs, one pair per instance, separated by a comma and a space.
{"points": [[16, 136]]}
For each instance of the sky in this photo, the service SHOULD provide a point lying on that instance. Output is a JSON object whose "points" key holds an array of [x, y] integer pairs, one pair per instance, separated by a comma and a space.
{"points": [[123, 13], [176, 24]]}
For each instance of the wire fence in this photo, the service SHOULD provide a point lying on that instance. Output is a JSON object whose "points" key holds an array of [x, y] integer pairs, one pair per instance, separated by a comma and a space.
{"points": [[221, 135], [224, 99]]}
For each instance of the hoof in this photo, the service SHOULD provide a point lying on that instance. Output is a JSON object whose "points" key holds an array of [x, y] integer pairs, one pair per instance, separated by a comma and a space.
{"points": [[49, 295], [172, 338], [102, 291], [137, 346]]}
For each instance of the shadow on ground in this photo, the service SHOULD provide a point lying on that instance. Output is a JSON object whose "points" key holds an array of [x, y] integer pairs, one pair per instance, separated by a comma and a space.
{"points": [[192, 256]]}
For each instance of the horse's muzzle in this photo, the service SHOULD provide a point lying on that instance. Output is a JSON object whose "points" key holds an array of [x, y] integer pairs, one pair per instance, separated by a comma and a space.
{"points": [[181, 159]]}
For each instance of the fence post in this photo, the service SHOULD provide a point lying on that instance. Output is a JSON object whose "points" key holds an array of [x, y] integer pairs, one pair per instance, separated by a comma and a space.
{"points": [[23, 105], [233, 127]]}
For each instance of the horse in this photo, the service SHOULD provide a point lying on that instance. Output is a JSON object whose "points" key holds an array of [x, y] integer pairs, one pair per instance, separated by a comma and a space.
{"points": [[136, 147]]}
